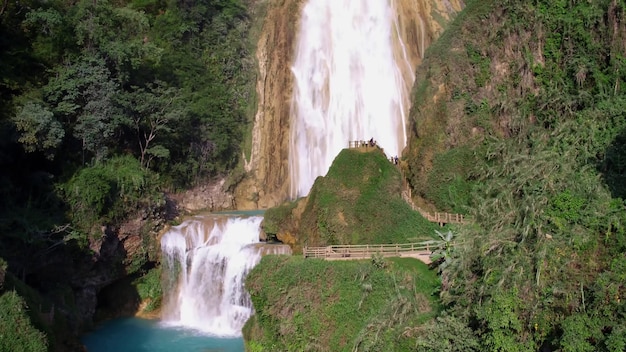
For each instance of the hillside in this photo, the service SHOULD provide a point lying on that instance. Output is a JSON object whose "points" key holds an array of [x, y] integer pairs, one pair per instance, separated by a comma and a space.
{"points": [[518, 118]]}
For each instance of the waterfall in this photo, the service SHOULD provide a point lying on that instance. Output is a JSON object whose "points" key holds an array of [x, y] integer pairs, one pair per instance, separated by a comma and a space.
{"points": [[348, 85], [206, 260]]}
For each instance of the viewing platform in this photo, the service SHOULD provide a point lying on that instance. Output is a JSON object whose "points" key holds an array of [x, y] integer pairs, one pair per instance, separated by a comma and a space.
{"points": [[362, 144]]}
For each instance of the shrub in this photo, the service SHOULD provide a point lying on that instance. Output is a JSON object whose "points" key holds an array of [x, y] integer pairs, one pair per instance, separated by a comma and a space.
{"points": [[149, 288], [109, 191]]}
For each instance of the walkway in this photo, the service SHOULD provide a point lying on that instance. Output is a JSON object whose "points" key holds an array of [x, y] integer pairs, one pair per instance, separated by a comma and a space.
{"points": [[419, 251]]}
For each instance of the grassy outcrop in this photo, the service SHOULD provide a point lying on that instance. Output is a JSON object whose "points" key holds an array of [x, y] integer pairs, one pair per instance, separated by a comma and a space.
{"points": [[315, 305], [358, 202]]}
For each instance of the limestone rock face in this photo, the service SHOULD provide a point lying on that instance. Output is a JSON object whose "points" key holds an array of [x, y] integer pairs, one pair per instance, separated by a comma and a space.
{"points": [[420, 22], [212, 196], [268, 164]]}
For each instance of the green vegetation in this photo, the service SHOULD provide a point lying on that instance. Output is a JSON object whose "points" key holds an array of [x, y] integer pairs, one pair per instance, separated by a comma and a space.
{"points": [[310, 304], [529, 137], [448, 186], [277, 218], [149, 289], [14, 318], [17, 332], [29, 321], [108, 191]]}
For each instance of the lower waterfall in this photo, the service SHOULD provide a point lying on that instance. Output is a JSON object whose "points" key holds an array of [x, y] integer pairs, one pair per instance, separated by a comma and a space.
{"points": [[205, 262]]}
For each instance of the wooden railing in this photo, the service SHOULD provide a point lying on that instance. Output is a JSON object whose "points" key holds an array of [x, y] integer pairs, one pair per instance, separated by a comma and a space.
{"points": [[361, 144], [445, 218], [367, 250], [440, 218]]}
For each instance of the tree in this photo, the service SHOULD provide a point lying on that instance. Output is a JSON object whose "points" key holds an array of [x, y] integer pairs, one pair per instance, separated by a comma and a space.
{"points": [[442, 255], [153, 110], [118, 34], [39, 130], [83, 94]]}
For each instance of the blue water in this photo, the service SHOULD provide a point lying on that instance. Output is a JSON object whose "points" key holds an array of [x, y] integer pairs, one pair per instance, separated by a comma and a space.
{"points": [[142, 335]]}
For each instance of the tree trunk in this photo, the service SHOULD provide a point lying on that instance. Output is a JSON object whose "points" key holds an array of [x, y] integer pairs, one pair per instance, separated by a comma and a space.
{"points": [[5, 3]]}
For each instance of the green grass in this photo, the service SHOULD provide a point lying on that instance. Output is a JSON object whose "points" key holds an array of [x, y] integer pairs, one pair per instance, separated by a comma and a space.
{"points": [[310, 304]]}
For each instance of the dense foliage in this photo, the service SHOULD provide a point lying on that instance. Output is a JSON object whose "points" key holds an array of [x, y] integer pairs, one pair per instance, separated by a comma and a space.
{"points": [[534, 103], [315, 305], [166, 82], [105, 104]]}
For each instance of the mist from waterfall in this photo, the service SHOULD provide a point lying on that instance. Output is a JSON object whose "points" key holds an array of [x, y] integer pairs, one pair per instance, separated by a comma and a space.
{"points": [[348, 85], [205, 262]]}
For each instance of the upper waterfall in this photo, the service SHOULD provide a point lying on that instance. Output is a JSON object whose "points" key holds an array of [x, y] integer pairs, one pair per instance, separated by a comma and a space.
{"points": [[348, 85]]}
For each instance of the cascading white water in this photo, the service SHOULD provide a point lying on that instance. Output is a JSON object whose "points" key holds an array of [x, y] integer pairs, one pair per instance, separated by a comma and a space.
{"points": [[207, 260], [348, 85]]}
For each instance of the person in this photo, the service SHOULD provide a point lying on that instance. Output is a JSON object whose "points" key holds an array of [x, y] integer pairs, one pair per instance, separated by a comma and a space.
{"points": [[396, 160], [372, 142]]}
